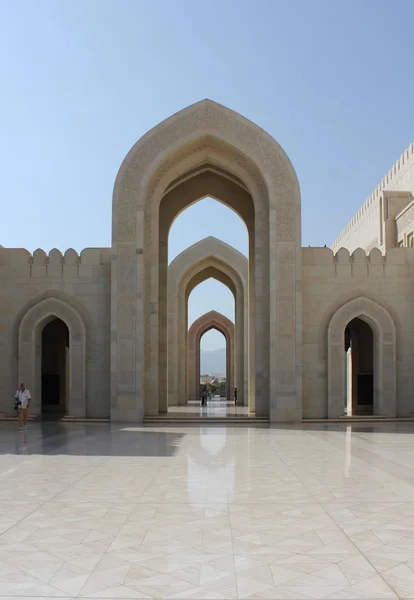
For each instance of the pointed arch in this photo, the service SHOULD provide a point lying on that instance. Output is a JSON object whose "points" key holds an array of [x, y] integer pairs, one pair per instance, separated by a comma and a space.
{"points": [[383, 328], [208, 258], [228, 147], [30, 330], [208, 321]]}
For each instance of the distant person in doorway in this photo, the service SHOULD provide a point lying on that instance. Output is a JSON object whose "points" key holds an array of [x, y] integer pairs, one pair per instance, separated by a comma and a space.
{"points": [[204, 395], [235, 396], [23, 398]]}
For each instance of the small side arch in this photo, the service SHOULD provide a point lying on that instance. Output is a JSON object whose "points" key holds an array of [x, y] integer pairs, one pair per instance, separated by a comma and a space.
{"points": [[345, 299], [383, 328], [29, 351]]}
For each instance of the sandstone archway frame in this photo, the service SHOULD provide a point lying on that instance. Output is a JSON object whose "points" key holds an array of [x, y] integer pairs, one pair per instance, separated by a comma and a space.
{"points": [[211, 142], [30, 352], [383, 328], [208, 321], [208, 257]]}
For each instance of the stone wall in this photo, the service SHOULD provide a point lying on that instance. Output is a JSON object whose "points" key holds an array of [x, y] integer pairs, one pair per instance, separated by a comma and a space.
{"points": [[330, 281], [82, 281], [404, 223]]}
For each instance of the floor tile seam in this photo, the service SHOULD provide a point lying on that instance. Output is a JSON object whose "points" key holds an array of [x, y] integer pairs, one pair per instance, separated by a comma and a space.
{"points": [[93, 572], [360, 452], [226, 478], [40, 506], [362, 553], [283, 461], [392, 465]]}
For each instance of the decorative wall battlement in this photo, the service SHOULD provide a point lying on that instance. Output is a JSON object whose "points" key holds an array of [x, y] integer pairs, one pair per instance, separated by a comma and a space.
{"points": [[55, 264], [323, 262], [395, 173]]}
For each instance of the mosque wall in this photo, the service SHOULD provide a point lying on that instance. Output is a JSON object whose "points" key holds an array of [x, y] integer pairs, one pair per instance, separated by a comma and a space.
{"points": [[80, 281], [329, 282], [332, 286]]}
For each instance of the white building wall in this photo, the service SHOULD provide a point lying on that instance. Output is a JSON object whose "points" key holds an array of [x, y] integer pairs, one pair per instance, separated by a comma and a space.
{"points": [[364, 229], [404, 223]]}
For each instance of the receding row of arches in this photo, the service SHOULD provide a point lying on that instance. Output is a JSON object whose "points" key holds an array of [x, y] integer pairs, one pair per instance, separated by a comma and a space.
{"points": [[209, 258]]}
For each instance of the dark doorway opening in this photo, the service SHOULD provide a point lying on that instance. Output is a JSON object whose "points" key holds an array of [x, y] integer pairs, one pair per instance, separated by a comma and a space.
{"points": [[359, 346], [55, 367]]}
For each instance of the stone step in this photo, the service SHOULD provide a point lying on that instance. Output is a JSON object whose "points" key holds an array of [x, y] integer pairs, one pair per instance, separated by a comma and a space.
{"points": [[211, 420], [360, 419]]}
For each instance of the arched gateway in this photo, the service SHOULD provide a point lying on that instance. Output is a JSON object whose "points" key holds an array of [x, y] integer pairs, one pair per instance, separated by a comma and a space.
{"points": [[205, 149], [207, 258], [208, 321]]}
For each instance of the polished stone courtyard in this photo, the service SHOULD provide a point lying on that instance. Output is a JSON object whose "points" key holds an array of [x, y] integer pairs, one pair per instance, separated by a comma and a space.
{"points": [[113, 511]]}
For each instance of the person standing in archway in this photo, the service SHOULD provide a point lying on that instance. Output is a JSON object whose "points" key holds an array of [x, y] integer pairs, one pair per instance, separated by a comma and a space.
{"points": [[204, 395], [23, 398], [235, 396]]}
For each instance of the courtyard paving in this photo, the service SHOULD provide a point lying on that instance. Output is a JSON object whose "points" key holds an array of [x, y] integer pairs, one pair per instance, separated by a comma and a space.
{"points": [[117, 511]]}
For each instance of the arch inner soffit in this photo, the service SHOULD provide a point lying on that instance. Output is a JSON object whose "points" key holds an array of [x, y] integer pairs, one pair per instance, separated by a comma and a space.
{"points": [[210, 272], [202, 185]]}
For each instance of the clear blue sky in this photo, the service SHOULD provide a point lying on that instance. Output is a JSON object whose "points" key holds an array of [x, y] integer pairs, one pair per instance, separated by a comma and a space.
{"points": [[83, 80]]}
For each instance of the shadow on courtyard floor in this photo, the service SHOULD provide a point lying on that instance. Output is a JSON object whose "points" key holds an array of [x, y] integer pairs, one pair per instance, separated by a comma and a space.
{"points": [[87, 439], [106, 439]]}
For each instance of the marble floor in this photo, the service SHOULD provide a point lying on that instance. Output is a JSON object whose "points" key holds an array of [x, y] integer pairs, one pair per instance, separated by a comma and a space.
{"points": [[113, 511], [215, 407]]}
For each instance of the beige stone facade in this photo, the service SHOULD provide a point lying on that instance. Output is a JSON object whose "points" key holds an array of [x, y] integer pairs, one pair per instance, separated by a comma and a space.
{"points": [[317, 332]]}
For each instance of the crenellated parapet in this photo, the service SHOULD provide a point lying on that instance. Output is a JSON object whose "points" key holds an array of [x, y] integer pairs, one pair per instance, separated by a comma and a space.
{"points": [[323, 262], [394, 179], [56, 264]]}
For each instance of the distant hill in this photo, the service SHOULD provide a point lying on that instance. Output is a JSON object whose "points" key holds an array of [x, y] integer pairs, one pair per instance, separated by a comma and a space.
{"points": [[213, 362]]}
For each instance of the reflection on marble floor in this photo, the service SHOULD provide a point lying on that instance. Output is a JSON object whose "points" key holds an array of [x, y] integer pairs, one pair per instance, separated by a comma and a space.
{"points": [[215, 407], [112, 511]]}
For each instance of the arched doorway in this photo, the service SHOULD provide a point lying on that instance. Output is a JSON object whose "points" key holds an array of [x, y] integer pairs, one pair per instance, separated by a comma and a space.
{"points": [[208, 321], [351, 322], [207, 258], [206, 150], [359, 346], [222, 388], [33, 332], [55, 367], [183, 194]]}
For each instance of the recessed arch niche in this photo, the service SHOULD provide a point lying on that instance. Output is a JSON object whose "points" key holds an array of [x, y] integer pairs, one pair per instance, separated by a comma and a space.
{"points": [[30, 331], [203, 146], [384, 356]]}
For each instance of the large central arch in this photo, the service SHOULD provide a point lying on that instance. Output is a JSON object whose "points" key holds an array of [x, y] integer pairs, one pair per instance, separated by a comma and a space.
{"points": [[208, 258], [204, 145], [208, 321]]}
